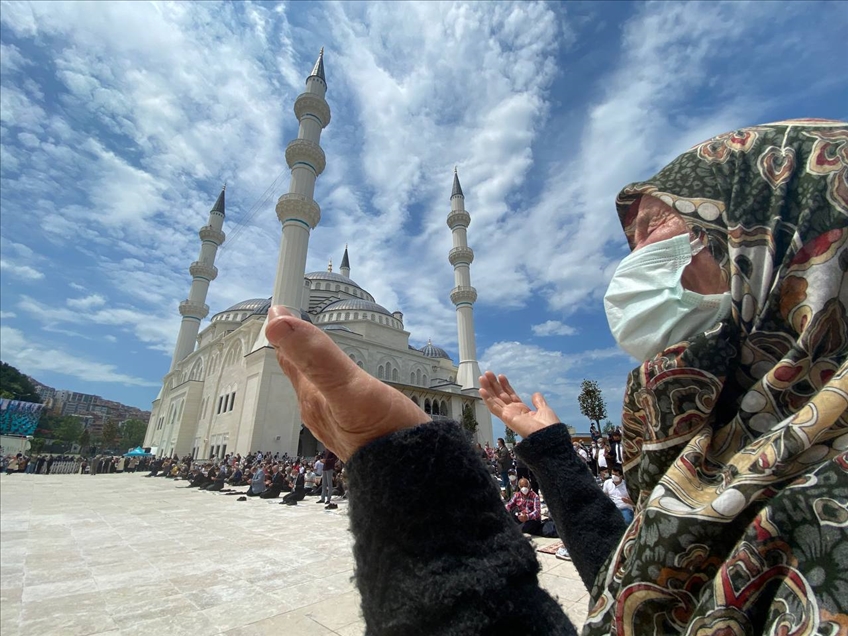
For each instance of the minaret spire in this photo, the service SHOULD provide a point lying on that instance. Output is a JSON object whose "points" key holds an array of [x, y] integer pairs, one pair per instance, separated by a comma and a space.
{"points": [[297, 210], [203, 271], [463, 295], [345, 267]]}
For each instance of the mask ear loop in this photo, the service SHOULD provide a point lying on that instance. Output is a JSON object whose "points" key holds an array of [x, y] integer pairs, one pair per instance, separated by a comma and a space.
{"points": [[696, 243]]}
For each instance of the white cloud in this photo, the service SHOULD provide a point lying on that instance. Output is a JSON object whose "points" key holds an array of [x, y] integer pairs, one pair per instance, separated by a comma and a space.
{"points": [[553, 328], [11, 59], [8, 315], [21, 271], [86, 302], [33, 357]]}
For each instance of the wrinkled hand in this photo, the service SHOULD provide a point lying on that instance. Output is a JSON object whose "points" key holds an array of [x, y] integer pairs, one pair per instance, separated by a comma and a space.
{"points": [[343, 406], [503, 402]]}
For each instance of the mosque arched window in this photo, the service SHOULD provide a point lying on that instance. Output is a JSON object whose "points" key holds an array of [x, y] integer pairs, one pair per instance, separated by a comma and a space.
{"points": [[427, 406], [338, 287], [414, 399], [395, 375], [347, 289], [356, 315], [443, 408], [412, 378], [359, 364], [418, 376], [425, 380], [347, 315], [380, 372]]}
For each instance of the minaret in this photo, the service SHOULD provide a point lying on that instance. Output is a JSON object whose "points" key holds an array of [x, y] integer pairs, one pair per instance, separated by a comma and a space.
{"points": [[345, 268], [297, 210], [463, 295], [203, 271]]}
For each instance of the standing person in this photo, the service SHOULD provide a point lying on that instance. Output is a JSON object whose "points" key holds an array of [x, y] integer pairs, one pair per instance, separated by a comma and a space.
{"points": [[50, 461], [504, 465], [329, 467]]}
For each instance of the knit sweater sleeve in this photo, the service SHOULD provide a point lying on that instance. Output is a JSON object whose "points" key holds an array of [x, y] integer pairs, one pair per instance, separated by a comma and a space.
{"points": [[586, 519], [436, 552]]}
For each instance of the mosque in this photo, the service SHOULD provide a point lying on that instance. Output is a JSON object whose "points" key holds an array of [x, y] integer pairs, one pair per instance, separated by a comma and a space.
{"points": [[225, 392]]}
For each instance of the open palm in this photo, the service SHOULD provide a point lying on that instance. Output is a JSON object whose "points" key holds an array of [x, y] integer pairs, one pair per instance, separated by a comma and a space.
{"points": [[503, 402]]}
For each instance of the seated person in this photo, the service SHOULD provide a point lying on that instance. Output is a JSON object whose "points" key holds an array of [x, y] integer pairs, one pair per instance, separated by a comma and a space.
{"points": [[275, 486], [298, 491], [616, 489], [236, 477], [526, 508], [220, 480], [257, 483]]}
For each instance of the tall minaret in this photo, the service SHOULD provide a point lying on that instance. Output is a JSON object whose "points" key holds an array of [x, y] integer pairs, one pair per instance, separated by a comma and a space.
{"points": [[297, 210], [463, 295], [345, 268], [203, 271]]}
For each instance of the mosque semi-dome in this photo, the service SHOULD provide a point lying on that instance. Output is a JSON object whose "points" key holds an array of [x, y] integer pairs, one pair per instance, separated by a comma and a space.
{"points": [[432, 351], [355, 304]]}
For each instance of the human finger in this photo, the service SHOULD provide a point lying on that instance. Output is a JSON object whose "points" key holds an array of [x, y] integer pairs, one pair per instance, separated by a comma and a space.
{"points": [[492, 403], [309, 350], [490, 381], [507, 387]]}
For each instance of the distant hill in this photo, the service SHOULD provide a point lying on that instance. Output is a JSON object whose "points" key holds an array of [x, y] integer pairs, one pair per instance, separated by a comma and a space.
{"points": [[96, 410]]}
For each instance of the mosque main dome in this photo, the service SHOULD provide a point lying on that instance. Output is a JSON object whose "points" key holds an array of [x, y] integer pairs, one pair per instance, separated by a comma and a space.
{"points": [[250, 307]]}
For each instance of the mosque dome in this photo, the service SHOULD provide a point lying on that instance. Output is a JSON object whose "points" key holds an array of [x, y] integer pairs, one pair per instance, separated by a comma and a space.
{"points": [[333, 277], [250, 307], [432, 351], [356, 304]]}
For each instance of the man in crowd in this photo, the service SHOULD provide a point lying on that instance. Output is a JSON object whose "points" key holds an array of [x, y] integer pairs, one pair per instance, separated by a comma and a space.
{"points": [[616, 490], [329, 466], [526, 508]]}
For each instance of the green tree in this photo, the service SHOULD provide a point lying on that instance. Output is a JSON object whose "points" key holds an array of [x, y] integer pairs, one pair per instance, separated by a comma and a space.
{"points": [[509, 436], [133, 432], [84, 441], [110, 433], [469, 422], [591, 402], [36, 445], [609, 427], [69, 429], [14, 385]]}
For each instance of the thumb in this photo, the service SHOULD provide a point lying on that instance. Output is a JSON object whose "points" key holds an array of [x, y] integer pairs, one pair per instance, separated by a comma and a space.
{"points": [[539, 401]]}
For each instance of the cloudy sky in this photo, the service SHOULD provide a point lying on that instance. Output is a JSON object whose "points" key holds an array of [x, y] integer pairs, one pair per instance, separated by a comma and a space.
{"points": [[120, 121]]}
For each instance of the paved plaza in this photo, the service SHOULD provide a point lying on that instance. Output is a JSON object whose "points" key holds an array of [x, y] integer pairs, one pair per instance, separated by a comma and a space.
{"points": [[122, 554]]}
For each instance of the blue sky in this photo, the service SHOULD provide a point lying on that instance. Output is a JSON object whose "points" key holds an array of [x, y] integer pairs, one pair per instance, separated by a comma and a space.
{"points": [[119, 122]]}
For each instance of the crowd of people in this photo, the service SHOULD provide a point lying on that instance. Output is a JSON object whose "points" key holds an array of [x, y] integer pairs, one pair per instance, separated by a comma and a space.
{"points": [[266, 476], [48, 464]]}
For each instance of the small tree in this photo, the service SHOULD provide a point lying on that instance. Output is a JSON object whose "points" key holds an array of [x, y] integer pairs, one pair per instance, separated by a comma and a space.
{"points": [[85, 441], [469, 422], [132, 433], [14, 385], [509, 437], [591, 402], [609, 427], [69, 429], [110, 433]]}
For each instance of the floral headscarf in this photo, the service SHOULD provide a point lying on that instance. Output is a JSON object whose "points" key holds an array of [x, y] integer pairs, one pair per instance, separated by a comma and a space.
{"points": [[736, 442]]}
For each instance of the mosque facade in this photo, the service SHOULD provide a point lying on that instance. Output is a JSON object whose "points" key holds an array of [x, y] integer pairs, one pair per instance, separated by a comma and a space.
{"points": [[225, 392]]}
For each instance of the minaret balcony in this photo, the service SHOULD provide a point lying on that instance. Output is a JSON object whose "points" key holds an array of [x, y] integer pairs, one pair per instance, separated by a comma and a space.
{"points": [[297, 207], [209, 233], [464, 255], [312, 104], [308, 152], [458, 218], [202, 270], [463, 294], [194, 310]]}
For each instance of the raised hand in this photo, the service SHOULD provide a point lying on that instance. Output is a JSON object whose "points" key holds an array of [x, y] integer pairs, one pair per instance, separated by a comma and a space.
{"points": [[343, 406], [503, 402]]}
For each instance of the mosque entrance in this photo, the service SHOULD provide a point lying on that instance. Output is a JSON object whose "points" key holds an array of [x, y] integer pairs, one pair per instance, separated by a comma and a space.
{"points": [[307, 445]]}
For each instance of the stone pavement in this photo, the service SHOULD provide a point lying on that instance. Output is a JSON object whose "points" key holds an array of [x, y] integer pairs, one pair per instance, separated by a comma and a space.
{"points": [[125, 555]]}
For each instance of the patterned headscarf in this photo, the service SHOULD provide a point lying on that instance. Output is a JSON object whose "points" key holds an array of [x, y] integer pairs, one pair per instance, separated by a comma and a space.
{"points": [[736, 441]]}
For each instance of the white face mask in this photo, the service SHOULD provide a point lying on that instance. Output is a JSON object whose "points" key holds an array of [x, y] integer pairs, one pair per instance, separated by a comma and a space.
{"points": [[616, 479], [647, 308], [512, 477], [525, 490]]}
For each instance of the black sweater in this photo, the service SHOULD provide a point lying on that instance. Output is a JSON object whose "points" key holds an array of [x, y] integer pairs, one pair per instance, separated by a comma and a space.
{"points": [[436, 552]]}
